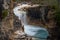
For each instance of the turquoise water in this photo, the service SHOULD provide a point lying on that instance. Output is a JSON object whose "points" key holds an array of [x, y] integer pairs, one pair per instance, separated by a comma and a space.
{"points": [[36, 31]]}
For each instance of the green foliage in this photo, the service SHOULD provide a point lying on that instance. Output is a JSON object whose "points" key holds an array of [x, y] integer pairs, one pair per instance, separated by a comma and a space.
{"points": [[4, 13], [57, 17]]}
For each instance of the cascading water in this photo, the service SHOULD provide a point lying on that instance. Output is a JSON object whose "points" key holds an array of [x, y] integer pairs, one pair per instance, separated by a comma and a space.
{"points": [[30, 30]]}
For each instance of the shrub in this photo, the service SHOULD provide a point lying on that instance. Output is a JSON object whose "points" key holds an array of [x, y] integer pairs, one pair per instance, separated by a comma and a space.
{"points": [[4, 13]]}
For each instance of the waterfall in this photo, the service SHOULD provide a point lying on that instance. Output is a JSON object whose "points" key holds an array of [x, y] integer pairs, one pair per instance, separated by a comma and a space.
{"points": [[20, 13], [30, 30]]}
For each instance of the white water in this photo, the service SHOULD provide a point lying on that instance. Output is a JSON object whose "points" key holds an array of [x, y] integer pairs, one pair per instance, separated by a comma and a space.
{"points": [[30, 30]]}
